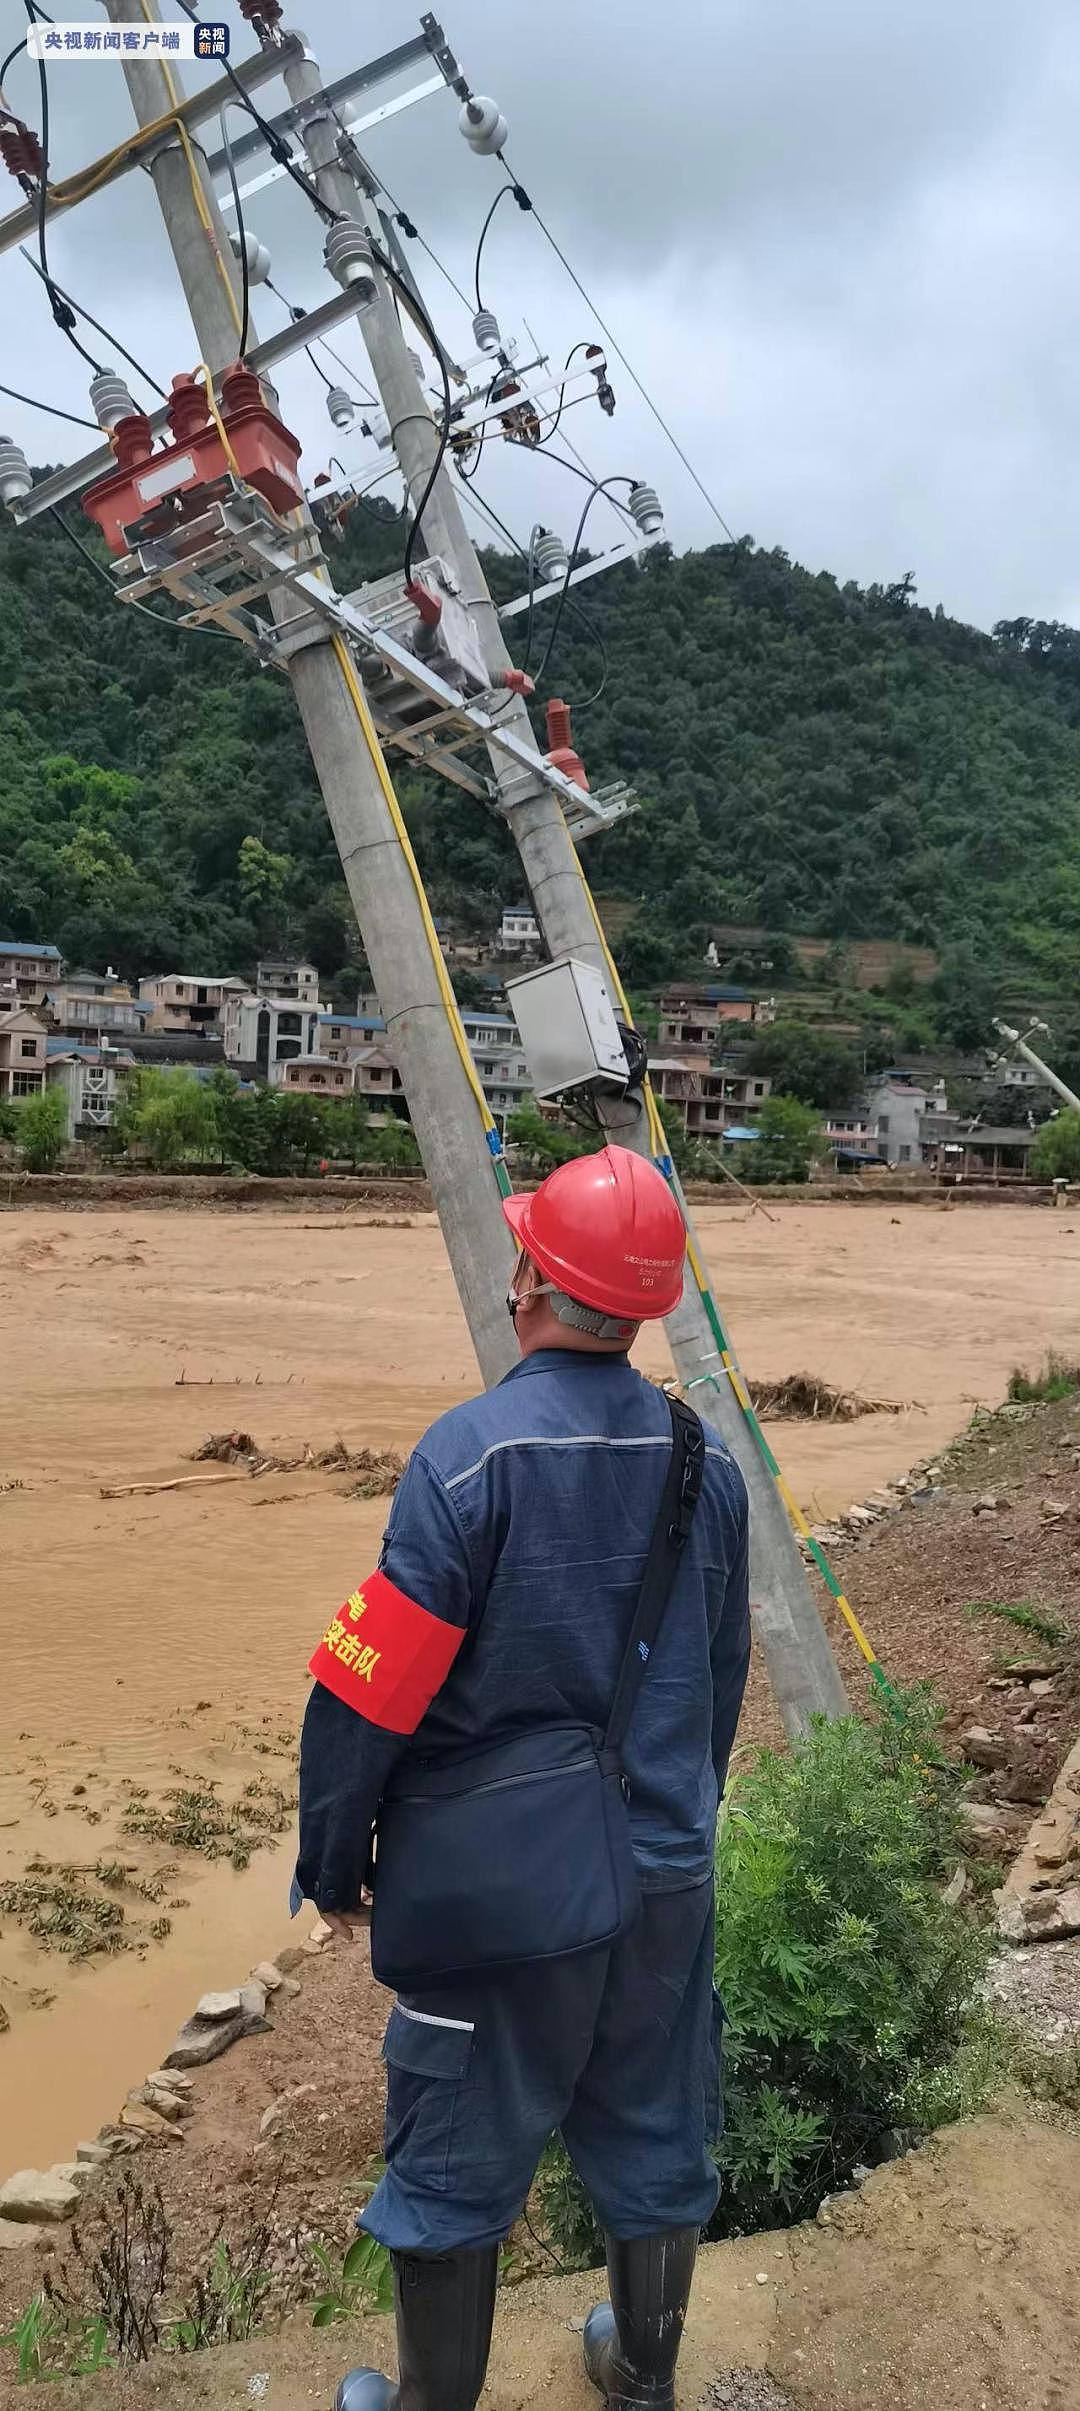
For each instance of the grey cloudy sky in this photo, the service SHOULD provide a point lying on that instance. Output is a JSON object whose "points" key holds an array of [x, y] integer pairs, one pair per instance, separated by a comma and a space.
{"points": [[837, 239]]}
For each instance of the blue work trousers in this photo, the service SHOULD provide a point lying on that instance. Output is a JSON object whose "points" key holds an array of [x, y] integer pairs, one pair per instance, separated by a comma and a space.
{"points": [[619, 2050]]}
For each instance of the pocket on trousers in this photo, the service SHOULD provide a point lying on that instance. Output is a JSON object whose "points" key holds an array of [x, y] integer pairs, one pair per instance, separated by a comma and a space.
{"points": [[427, 2059], [714, 2089]]}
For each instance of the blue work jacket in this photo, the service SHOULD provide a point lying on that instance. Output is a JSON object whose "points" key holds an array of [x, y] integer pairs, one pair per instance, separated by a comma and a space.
{"points": [[523, 1519]]}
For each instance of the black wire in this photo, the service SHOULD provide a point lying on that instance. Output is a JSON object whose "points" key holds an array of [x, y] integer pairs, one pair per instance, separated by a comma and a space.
{"points": [[33, 404], [160, 617], [448, 404], [61, 308], [245, 272], [69, 298], [11, 57], [570, 567], [582, 616], [621, 355], [554, 427], [320, 372], [278, 148], [500, 196], [297, 314]]}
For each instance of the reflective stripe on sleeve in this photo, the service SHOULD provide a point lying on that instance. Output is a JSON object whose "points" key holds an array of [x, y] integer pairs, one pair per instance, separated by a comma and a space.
{"points": [[386, 1656]]}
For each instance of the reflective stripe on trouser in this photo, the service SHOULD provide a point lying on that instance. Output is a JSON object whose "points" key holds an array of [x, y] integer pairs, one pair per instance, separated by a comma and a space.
{"points": [[619, 2050]]}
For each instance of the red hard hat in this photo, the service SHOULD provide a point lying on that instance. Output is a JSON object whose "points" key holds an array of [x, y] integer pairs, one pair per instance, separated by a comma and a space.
{"points": [[608, 1232]]}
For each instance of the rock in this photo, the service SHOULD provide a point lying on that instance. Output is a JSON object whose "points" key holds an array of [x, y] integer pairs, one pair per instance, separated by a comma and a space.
{"points": [[214, 2005], [37, 2194], [170, 2080], [270, 2119], [267, 1975], [1053, 1509], [955, 1888], [1053, 1853], [1042, 1684], [202, 2039], [985, 1820], [15, 2238], [988, 1504], [157, 2097], [1040, 1916], [291, 1958], [321, 1932], [252, 1998], [77, 2172], [144, 2120], [1011, 1921], [984, 1749], [860, 1516], [94, 2155], [289, 1986], [1033, 1670]]}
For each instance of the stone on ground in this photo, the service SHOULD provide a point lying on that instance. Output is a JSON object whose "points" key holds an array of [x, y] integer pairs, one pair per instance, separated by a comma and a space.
{"points": [[35, 2193], [16, 2238], [202, 2039], [214, 2005]]}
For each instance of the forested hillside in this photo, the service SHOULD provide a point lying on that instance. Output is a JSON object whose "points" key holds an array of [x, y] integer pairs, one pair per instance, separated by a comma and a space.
{"points": [[810, 756]]}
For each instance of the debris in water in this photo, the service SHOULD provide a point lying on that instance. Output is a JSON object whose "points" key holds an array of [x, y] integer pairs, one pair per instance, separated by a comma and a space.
{"points": [[802, 1398], [379, 1470]]}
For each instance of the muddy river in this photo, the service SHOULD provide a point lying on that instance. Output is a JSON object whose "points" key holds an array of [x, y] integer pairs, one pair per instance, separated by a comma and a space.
{"points": [[154, 1642]]}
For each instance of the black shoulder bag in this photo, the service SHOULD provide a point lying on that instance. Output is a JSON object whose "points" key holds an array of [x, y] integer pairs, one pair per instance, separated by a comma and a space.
{"points": [[520, 1851]]}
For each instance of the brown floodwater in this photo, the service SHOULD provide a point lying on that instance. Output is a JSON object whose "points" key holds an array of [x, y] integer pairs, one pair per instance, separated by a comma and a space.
{"points": [[160, 1638]]}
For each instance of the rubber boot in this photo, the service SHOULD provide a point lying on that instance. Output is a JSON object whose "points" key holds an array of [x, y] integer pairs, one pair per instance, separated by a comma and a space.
{"points": [[632, 2342], [445, 2308]]}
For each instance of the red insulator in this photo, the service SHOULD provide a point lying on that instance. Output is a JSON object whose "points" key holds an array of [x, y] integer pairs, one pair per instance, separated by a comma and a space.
{"points": [[240, 390], [188, 409], [427, 605], [561, 754], [518, 681], [133, 440], [20, 150]]}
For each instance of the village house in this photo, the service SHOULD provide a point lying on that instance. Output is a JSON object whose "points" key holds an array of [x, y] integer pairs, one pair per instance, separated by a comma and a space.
{"points": [[27, 972], [22, 1053], [697, 1015], [89, 1078], [95, 1006], [180, 1001], [708, 1097], [292, 982]]}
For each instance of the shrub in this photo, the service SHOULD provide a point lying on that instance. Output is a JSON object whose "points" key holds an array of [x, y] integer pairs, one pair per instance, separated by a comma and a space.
{"points": [[1055, 1379], [41, 1129], [848, 1981]]}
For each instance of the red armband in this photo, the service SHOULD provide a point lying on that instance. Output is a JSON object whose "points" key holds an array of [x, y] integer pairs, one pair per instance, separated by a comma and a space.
{"points": [[386, 1656]]}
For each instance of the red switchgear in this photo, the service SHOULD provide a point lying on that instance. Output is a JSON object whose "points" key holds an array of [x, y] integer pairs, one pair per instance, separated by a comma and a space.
{"points": [[20, 150], [265, 454], [561, 754]]}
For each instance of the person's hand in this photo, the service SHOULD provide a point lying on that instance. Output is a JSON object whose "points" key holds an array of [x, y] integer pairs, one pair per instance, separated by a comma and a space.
{"points": [[346, 1924]]}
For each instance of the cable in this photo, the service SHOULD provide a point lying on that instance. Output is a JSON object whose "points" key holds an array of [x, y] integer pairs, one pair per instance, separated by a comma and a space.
{"points": [[500, 196], [484, 509], [618, 350], [10, 60], [63, 314], [297, 315], [162, 619], [444, 434], [278, 148], [99, 329], [245, 271], [554, 427], [33, 404], [570, 567]]}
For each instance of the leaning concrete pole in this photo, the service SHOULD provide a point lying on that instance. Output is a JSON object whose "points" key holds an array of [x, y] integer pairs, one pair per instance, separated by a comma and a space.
{"points": [[802, 1670], [441, 1100]]}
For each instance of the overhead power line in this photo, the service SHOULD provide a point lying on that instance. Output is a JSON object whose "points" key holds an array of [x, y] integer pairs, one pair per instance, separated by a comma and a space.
{"points": [[621, 355], [32, 403]]}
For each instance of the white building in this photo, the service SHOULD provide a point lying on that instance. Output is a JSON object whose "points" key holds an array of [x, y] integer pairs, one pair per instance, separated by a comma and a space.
{"points": [[89, 1077], [519, 931], [263, 1033], [497, 1052], [895, 1106]]}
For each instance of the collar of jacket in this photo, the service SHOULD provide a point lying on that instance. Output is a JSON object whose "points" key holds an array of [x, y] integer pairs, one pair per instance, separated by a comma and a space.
{"points": [[565, 1360]]}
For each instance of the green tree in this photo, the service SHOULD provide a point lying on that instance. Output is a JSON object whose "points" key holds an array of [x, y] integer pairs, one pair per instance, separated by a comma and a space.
{"points": [[543, 1145], [790, 1141], [9, 1119], [813, 1065], [41, 1128], [169, 1115], [965, 994], [1056, 1152]]}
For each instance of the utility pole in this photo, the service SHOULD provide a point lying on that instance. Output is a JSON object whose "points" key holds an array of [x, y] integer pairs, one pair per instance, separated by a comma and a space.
{"points": [[802, 1670], [441, 1099], [1030, 1056]]}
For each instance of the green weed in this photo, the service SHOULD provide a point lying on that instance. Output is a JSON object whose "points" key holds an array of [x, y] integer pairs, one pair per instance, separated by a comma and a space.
{"points": [[1056, 1379], [1026, 1616], [364, 2281]]}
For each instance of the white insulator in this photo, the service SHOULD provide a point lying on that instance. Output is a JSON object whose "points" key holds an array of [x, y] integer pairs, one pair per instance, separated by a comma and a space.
{"points": [[15, 478], [340, 405], [377, 426], [485, 327], [349, 258], [110, 399], [645, 509], [550, 557], [258, 257], [484, 126]]}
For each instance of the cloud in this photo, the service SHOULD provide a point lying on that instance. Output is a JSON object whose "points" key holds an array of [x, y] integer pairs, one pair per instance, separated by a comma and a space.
{"points": [[836, 241]]}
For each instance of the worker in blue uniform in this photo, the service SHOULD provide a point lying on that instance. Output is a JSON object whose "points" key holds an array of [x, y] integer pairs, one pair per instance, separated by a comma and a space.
{"points": [[504, 1598]]}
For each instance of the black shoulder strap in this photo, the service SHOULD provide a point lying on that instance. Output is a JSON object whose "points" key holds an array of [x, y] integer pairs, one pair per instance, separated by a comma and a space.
{"points": [[682, 1489]]}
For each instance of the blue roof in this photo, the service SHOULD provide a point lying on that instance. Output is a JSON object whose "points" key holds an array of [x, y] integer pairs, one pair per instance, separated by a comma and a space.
{"points": [[354, 1021], [490, 1021], [737, 1132], [725, 996], [23, 946]]}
